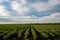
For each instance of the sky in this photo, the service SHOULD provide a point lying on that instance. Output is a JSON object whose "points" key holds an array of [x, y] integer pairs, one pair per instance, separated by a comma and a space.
{"points": [[30, 11]]}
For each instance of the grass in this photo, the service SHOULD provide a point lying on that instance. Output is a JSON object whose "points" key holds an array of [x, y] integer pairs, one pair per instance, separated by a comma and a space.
{"points": [[29, 32]]}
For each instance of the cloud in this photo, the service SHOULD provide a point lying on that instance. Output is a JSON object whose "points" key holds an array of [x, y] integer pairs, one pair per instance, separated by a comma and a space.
{"points": [[39, 11], [4, 0], [3, 11], [20, 7], [23, 18], [53, 18], [23, 1], [1, 0], [45, 6]]}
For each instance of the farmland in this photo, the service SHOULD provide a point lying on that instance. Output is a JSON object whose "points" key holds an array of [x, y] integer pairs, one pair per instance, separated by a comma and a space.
{"points": [[29, 32]]}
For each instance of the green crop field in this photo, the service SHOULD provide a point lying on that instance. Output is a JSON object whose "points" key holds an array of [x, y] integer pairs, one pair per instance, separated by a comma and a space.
{"points": [[29, 32]]}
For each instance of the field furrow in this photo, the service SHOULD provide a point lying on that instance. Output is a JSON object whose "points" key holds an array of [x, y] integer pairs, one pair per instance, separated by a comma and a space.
{"points": [[29, 32]]}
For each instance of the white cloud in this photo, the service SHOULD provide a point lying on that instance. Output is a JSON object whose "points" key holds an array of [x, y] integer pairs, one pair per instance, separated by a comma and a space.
{"points": [[23, 18], [45, 6], [19, 7], [54, 17], [4, 0], [1, 0], [3, 11], [23, 1], [54, 2]]}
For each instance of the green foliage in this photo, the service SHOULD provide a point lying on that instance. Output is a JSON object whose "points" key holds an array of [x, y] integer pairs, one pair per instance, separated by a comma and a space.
{"points": [[30, 31]]}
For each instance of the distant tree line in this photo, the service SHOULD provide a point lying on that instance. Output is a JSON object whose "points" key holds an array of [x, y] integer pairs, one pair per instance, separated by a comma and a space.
{"points": [[44, 24]]}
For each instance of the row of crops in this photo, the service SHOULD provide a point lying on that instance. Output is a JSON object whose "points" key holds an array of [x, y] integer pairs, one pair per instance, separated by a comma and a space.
{"points": [[29, 32]]}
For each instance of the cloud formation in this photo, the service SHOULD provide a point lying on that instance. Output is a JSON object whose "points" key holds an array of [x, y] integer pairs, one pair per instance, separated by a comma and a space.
{"points": [[45, 6], [36, 11], [3, 11], [19, 7], [54, 17]]}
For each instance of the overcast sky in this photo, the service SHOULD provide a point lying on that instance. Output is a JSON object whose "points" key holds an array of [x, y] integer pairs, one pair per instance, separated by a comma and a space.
{"points": [[40, 11]]}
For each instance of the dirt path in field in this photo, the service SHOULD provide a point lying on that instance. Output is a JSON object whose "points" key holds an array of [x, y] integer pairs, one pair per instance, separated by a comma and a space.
{"points": [[13, 37], [50, 37], [22, 34], [30, 35], [38, 35]]}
